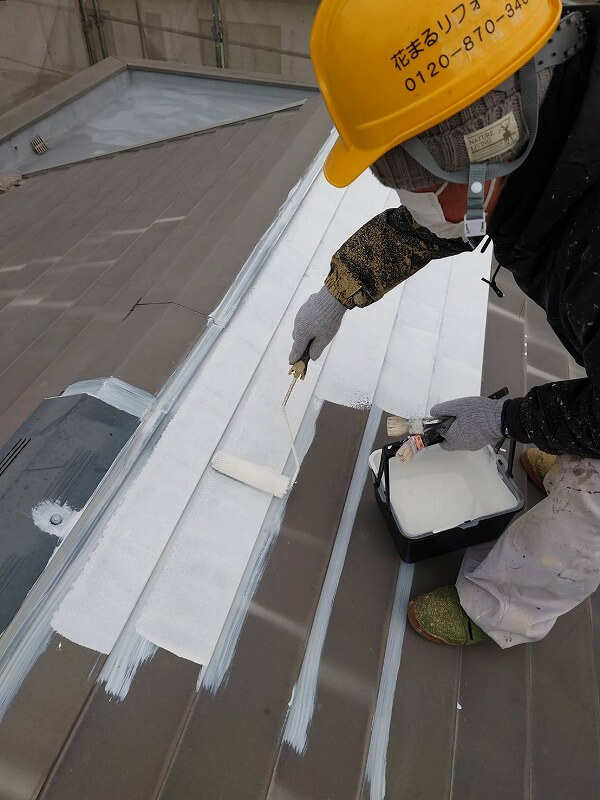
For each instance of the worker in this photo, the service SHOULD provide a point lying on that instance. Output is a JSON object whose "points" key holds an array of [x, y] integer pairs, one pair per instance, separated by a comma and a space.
{"points": [[483, 115]]}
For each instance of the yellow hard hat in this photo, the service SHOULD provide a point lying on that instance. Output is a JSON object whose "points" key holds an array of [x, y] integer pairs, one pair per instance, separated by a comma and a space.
{"points": [[390, 69]]}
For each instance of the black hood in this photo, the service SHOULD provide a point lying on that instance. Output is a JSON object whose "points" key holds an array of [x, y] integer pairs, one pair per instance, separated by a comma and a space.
{"points": [[560, 174]]}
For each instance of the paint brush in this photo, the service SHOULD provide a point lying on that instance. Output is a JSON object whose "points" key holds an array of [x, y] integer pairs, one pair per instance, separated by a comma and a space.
{"points": [[419, 426], [258, 476], [401, 426], [418, 433]]}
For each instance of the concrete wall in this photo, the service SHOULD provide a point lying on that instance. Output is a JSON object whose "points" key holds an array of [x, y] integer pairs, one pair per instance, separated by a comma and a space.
{"points": [[40, 45], [279, 25]]}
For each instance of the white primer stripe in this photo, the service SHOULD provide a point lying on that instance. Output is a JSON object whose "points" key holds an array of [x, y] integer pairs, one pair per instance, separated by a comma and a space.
{"points": [[219, 665], [213, 540], [127, 654], [303, 702], [195, 550], [457, 334], [29, 633], [115, 393], [426, 324], [380, 734], [122, 664]]}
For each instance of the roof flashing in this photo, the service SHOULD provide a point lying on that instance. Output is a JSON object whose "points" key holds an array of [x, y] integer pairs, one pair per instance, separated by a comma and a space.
{"points": [[117, 106]]}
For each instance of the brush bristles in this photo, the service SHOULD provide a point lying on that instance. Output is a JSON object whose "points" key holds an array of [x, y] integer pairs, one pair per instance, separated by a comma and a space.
{"points": [[262, 478], [400, 426], [410, 448], [397, 426]]}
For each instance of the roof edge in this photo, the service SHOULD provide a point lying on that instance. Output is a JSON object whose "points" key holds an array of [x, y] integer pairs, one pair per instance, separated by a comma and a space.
{"points": [[31, 111], [35, 109], [293, 106], [175, 68]]}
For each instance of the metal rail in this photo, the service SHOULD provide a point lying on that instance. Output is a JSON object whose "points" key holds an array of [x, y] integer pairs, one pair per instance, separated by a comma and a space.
{"points": [[97, 17]]}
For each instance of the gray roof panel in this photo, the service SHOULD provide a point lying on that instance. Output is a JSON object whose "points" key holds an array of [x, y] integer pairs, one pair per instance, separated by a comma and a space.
{"points": [[117, 227], [142, 260]]}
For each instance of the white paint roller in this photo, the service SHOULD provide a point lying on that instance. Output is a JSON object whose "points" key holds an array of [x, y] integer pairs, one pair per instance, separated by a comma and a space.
{"points": [[259, 477], [262, 478]]}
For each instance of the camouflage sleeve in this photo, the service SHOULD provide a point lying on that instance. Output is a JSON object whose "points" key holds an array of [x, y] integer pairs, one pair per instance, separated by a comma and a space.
{"points": [[384, 252]]}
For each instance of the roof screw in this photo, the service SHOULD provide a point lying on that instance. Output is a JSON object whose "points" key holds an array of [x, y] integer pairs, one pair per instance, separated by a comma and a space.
{"points": [[56, 519]]}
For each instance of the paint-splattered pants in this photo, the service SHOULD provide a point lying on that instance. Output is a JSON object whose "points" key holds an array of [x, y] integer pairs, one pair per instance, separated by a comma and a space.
{"points": [[544, 564]]}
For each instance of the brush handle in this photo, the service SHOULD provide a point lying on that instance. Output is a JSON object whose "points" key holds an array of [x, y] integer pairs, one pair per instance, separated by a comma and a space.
{"points": [[438, 431]]}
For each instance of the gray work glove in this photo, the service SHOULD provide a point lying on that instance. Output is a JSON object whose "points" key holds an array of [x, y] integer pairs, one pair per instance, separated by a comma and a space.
{"points": [[319, 320], [478, 422]]}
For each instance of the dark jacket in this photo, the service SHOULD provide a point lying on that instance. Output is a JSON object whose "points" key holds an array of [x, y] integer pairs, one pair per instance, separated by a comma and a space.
{"points": [[546, 231]]}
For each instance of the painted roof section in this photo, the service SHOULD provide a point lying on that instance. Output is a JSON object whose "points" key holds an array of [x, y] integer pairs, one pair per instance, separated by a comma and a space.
{"points": [[233, 405], [113, 267], [220, 561], [292, 676]]}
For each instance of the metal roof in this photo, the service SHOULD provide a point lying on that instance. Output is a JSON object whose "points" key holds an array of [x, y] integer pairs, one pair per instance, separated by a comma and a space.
{"points": [[122, 280], [111, 267], [136, 107]]}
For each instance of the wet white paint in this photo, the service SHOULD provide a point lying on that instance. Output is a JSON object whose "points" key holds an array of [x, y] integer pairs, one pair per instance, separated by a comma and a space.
{"points": [[122, 664], [105, 594], [356, 358], [436, 349], [411, 379], [438, 490], [357, 353], [43, 512], [302, 704], [214, 541], [218, 667], [115, 393], [234, 404], [28, 635], [375, 773], [171, 563]]}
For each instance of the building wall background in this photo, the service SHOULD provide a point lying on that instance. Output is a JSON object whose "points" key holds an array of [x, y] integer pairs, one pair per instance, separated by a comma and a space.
{"points": [[272, 24], [41, 44]]}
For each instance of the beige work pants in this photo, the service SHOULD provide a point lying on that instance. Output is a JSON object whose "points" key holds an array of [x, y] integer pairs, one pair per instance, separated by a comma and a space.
{"points": [[544, 564]]}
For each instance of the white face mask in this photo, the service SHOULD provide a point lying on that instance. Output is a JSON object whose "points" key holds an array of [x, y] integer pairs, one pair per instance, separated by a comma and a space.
{"points": [[426, 210]]}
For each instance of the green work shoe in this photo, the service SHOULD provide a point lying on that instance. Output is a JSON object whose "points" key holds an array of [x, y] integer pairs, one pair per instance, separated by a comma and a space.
{"points": [[439, 617]]}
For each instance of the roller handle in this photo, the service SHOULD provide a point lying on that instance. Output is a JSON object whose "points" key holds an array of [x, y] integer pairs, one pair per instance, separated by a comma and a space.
{"points": [[298, 368]]}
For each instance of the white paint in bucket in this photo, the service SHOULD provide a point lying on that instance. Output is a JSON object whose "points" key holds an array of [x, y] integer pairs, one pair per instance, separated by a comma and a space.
{"points": [[439, 490]]}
